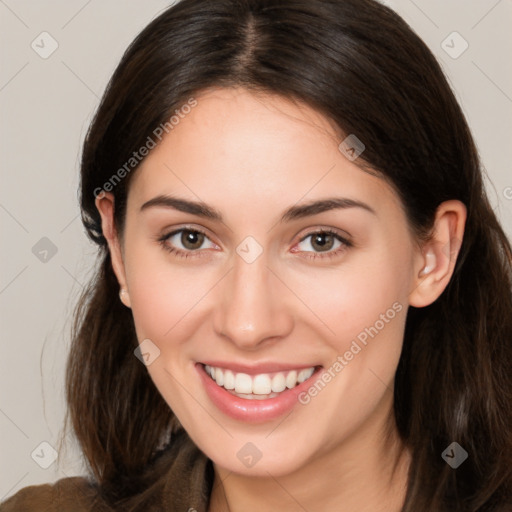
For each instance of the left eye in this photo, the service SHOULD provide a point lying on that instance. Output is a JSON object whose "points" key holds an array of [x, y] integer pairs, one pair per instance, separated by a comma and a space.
{"points": [[322, 241]]}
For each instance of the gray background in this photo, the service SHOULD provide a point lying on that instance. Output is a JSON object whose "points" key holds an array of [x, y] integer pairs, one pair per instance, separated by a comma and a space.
{"points": [[46, 105]]}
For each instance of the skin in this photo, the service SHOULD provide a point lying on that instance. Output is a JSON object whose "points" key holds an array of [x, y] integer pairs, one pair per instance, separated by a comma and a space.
{"points": [[251, 157]]}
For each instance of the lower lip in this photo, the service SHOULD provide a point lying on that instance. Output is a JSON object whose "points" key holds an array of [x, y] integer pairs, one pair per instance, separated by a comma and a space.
{"points": [[252, 411]]}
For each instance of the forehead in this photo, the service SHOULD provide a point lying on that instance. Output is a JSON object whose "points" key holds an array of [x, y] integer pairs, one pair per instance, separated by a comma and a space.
{"points": [[238, 146]]}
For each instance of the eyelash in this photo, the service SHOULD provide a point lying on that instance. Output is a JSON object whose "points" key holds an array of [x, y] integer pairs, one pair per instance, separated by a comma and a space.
{"points": [[309, 254]]}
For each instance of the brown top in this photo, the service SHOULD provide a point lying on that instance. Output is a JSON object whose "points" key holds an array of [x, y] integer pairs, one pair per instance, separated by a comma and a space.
{"points": [[185, 486]]}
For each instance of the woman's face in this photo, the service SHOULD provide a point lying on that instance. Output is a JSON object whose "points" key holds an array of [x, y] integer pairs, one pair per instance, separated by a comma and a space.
{"points": [[253, 289]]}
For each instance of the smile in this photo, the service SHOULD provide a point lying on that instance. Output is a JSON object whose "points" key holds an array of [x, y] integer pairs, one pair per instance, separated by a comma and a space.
{"points": [[260, 386], [248, 395]]}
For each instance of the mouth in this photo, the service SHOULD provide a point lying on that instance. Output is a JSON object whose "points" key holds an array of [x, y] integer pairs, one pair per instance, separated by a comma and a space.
{"points": [[255, 397], [260, 386]]}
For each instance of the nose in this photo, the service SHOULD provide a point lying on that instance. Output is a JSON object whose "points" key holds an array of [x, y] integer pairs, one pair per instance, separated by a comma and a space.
{"points": [[252, 309]]}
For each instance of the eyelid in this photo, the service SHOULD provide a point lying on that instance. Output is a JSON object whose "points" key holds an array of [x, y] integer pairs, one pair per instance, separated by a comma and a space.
{"points": [[186, 227], [345, 235]]}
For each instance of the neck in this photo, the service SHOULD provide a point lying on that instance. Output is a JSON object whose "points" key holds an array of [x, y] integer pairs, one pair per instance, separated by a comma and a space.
{"points": [[367, 472]]}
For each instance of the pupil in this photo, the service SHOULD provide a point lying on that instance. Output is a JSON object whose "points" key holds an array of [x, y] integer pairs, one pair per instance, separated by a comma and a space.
{"points": [[323, 245], [191, 238]]}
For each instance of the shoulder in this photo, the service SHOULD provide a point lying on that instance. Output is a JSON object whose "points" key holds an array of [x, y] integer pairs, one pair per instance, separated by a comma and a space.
{"points": [[179, 478], [73, 494]]}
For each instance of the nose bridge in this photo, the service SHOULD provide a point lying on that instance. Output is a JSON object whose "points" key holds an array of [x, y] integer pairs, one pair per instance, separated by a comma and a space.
{"points": [[250, 310]]}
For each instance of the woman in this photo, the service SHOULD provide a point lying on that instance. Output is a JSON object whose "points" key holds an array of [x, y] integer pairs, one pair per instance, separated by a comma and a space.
{"points": [[304, 297]]}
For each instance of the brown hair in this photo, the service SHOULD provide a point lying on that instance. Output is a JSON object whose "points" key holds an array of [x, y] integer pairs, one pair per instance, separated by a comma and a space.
{"points": [[361, 65]]}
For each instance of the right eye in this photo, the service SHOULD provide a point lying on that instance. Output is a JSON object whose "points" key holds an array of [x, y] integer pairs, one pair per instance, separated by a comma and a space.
{"points": [[191, 240]]}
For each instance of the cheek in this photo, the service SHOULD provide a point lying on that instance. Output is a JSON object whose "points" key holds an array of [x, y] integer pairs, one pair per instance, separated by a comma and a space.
{"points": [[371, 317], [162, 294], [164, 307], [368, 291], [365, 310]]}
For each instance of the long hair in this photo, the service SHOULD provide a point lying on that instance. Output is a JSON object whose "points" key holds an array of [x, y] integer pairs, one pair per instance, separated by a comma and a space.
{"points": [[359, 64]]}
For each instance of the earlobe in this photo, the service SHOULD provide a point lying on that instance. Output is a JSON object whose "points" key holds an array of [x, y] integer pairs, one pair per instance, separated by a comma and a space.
{"points": [[105, 205], [436, 261], [125, 297]]}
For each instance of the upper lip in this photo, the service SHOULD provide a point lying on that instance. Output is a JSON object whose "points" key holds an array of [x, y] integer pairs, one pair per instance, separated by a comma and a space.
{"points": [[255, 369]]}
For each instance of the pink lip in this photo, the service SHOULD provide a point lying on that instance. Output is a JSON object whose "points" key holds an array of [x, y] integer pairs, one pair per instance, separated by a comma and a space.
{"points": [[251, 411]]}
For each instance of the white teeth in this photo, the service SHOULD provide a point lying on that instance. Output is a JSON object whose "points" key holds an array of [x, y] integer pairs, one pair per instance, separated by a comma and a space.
{"points": [[291, 379], [243, 383], [229, 379], [259, 386], [278, 383], [219, 376], [305, 374]]}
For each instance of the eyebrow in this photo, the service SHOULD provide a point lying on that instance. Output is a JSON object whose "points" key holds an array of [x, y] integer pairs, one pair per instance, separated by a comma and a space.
{"points": [[293, 213]]}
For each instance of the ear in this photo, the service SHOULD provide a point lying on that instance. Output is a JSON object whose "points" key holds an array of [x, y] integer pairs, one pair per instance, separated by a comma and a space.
{"points": [[105, 205], [435, 261]]}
